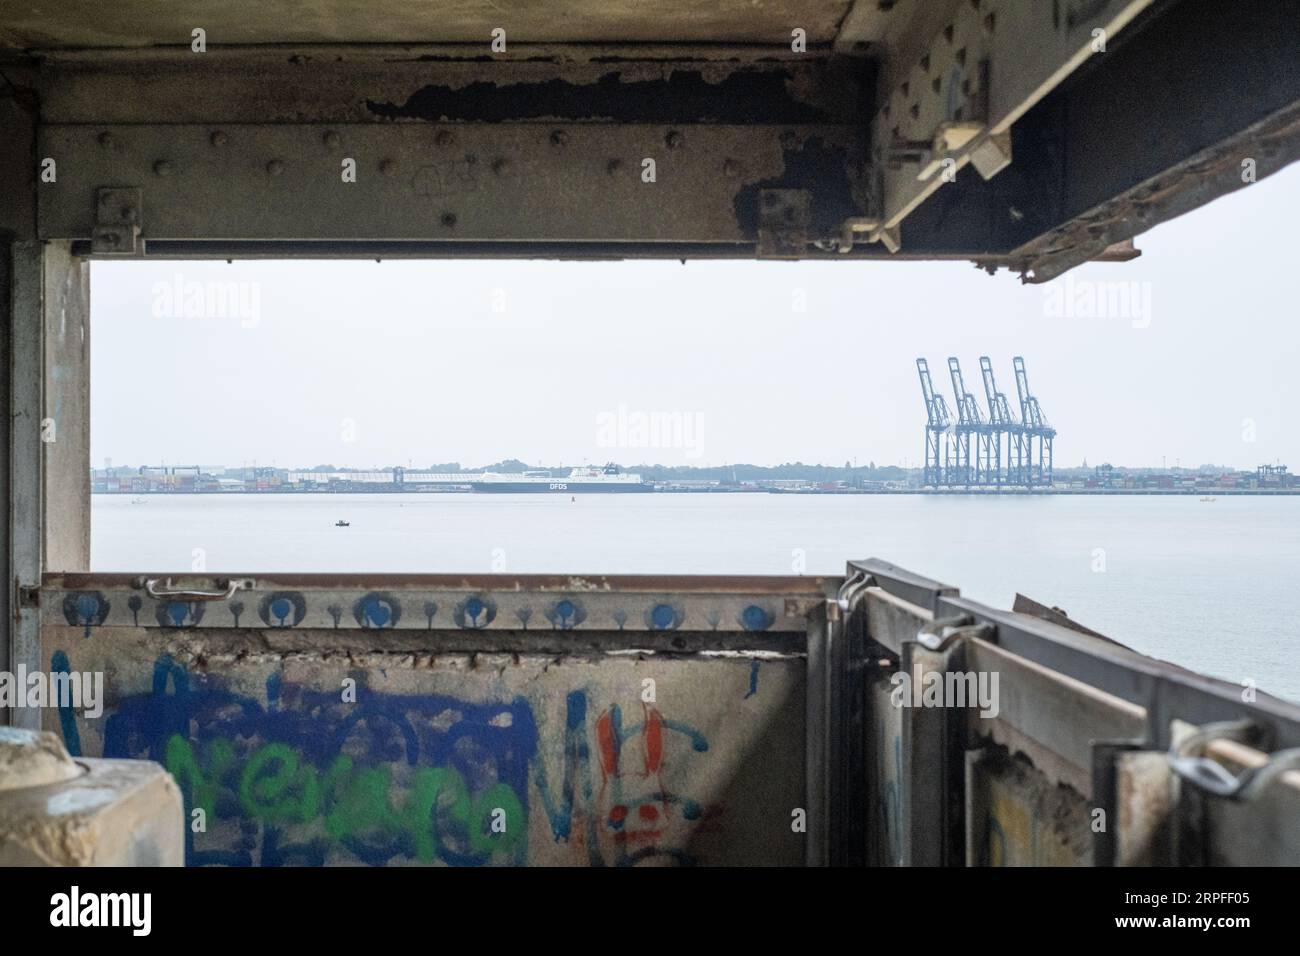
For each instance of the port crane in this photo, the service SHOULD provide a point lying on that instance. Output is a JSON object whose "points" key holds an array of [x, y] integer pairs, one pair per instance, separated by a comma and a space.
{"points": [[972, 437], [1005, 426], [1036, 429], [938, 430]]}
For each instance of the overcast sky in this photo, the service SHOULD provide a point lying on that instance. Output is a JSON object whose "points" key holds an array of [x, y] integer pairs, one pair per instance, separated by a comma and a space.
{"points": [[358, 363]]}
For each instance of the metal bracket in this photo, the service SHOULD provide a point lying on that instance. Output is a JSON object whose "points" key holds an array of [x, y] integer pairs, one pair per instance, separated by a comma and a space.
{"points": [[1187, 758], [225, 589], [992, 155], [875, 229], [118, 220], [784, 215], [852, 591], [29, 595], [948, 138], [940, 634]]}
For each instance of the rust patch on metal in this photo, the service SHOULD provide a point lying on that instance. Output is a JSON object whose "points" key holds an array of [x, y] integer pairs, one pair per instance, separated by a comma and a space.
{"points": [[746, 96]]}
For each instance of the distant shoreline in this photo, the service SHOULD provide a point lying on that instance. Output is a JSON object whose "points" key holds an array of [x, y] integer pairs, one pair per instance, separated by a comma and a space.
{"points": [[970, 492]]}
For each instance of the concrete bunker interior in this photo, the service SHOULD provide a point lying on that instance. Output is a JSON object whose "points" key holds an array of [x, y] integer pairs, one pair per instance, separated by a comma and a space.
{"points": [[475, 713]]}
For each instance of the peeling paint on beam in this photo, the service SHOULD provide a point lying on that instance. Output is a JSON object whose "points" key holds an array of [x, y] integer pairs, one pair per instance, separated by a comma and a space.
{"points": [[681, 96]]}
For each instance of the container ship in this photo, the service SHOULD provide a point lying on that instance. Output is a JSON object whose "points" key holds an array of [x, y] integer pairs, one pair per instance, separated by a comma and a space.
{"points": [[607, 480]]}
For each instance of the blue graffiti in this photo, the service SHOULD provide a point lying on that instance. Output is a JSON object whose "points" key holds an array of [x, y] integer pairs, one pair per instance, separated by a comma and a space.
{"points": [[179, 614], [485, 744], [664, 617], [566, 614], [67, 715], [377, 610], [475, 612], [755, 618], [85, 609], [281, 609], [384, 777]]}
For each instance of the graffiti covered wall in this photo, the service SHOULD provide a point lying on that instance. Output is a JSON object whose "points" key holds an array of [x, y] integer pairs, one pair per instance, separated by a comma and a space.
{"points": [[391, 759]]}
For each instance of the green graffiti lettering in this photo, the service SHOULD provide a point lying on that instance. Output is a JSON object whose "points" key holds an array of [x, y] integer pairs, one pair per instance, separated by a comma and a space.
{"points": [[273, 788], [202, 789], [434, 789], [481, 837]]}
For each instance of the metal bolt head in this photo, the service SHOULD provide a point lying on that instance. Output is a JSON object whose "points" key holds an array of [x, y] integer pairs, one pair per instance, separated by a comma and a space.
{"points": [[673, 139], [444, 137], [275, 167], [162, 168], [449, 219], [331, 139], [387, 166], [500, 165], [106, 140], [559, 137], [218, 138], [731, 168], [613, 166]]}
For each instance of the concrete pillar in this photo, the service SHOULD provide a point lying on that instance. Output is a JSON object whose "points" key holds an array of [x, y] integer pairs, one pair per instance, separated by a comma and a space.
{"points": [[66, 424], [19, 459], [25, 367]]}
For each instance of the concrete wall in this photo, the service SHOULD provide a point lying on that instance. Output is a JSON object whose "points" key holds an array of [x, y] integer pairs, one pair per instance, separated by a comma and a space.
{"points": [[563, 751]]}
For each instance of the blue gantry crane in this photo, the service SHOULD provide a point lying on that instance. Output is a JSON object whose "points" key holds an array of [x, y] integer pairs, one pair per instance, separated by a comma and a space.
{"points": [[938, 431], [1004, 449], [1007, 432], [1038, 430], [972, 440]]}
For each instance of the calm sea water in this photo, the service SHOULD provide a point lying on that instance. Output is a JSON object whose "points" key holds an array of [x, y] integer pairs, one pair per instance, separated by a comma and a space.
{"points": [[1204, 584]]}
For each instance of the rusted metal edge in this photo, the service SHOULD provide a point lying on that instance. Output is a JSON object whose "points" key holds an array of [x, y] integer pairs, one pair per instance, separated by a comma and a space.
{"points": [[1272, 143], [517, 52], [575, 250], [1167, 691], [795, 585]]}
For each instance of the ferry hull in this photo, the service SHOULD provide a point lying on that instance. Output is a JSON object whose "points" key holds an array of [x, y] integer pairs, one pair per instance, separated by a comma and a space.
{"points": [[559, 487]]}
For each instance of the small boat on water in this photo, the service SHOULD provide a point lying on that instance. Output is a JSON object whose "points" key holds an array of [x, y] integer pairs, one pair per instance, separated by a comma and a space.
{"points": [[342, 524], [1209, 499]]}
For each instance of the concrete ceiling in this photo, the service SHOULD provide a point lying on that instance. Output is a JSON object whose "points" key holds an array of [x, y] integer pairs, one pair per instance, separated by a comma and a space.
{"points": [[70, 24]]}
